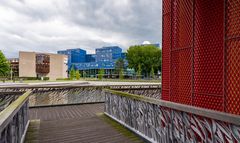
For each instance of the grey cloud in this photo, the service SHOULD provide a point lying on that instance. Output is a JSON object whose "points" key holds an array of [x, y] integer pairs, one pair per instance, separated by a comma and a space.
{"points": [[48, 26]]}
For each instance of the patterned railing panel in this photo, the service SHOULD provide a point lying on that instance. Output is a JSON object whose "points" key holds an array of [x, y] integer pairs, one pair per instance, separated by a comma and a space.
{"points": [[59, 95], [164, 122], [6, 98], [152, 91], [14, 120]]}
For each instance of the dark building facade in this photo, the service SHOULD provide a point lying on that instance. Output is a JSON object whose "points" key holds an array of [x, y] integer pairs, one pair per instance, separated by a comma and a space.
{"points": [[42, 64], [201, 47], [14, 65]]}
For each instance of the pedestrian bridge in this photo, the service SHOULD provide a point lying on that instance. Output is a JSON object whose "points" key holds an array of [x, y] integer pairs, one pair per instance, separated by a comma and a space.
{"points": [[75, 123], [108, 114]]}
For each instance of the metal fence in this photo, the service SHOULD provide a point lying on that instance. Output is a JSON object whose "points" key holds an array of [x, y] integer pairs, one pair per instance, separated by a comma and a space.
{"points": [[65, 95], [165, 122]]}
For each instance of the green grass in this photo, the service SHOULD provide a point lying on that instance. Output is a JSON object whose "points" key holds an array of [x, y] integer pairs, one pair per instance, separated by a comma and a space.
{"points": [[32, 132], [120, 128]]}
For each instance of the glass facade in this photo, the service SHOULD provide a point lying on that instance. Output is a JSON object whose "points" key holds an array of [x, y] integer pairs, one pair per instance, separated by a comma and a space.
{"points": [[104, 58], [42, 64], [74, 55]]}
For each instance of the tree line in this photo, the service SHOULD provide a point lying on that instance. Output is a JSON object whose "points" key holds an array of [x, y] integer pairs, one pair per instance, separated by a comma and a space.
{"points": [[4, 65], [146, 60]]}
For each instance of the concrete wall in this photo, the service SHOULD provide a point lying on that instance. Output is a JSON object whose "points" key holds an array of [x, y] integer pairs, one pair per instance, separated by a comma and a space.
{"points": [[27, 64]]}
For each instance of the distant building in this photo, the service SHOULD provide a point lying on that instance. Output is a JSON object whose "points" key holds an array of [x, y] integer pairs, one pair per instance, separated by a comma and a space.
{"points": [[104, 58], [108, 54], [148, 43], [14, 65], [33, 64], [90, 58], [74, 55]]}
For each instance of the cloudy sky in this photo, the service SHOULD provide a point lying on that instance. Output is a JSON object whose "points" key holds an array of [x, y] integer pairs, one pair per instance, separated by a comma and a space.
{"points": [[51, 25]]}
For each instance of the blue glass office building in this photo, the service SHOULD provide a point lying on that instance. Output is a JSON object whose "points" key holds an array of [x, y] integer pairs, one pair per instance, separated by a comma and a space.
{"points": [[105, 58], [74, 55]]}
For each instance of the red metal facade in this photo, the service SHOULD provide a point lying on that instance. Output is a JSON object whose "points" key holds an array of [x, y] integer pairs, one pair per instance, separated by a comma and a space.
{"points": [[232, 57], [201, 50]]}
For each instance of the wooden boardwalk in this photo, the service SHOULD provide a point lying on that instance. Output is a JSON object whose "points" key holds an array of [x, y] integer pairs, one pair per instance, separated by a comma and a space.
{"points": [[75, 123]]}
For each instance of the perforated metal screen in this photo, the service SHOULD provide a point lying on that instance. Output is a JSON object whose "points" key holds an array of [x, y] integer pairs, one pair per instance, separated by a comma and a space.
{"points": [[201, 53], [232, 50]]}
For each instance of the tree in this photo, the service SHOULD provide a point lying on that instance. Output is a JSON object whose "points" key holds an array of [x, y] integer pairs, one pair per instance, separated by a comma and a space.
{"points": [[4, 65], [119, 65], [72, 73], [145, 55], [121, 74], [139, 71], [152, 73], [78, 75], [101, 74]]}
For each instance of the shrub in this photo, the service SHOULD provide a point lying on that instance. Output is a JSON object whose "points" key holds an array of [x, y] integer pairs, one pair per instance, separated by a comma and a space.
{"points": [[78, 75], [101, 74]]}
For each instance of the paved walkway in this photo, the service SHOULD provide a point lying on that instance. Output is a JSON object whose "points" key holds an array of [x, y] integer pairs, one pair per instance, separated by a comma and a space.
{"points": [[76, 123]]}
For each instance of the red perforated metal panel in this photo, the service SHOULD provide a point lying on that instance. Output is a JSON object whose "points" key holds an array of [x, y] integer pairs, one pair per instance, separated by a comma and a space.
{"points": [[233, 18], [233, 57], [166, 49], [208, 54], [182, 24], [233, 77], [166, 6], [201, 48], [181, 76], [181, 60]]}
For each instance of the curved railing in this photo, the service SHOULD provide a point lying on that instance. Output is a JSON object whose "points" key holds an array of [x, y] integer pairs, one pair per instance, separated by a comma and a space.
{"points": [[14, 120], [52, 95], [6, 98], [165, 122]]}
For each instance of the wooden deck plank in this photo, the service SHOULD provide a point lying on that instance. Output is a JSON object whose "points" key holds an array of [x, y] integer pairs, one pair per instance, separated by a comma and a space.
{"points": [[76, 124]]}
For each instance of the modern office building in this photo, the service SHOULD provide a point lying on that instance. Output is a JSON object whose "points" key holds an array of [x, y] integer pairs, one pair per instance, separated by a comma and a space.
{"points": [[201, 47], [14, 65], [74, 55], [104, 58], [33, 64]]}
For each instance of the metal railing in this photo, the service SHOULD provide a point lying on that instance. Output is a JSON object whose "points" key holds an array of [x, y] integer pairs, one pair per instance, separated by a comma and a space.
{"points": [[65, 96], [6, 98], [14, 120], [49, 95], [166, 122]]}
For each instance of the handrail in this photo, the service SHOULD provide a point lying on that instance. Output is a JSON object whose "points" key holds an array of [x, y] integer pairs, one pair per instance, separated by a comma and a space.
{"points": [[71, 86], [221, 116], [8, 113]]}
